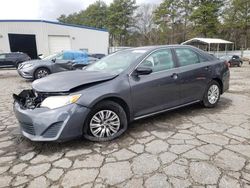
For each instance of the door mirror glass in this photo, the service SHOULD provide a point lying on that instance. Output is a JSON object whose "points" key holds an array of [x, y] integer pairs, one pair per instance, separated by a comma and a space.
{"points": [[143, 70]]}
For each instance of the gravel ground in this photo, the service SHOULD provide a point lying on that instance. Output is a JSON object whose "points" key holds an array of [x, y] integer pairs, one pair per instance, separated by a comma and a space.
{"points": [[189, 147]]}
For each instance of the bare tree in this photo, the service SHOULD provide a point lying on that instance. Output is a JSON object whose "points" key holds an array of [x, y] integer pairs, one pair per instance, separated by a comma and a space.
{"points": [[145, 22]]}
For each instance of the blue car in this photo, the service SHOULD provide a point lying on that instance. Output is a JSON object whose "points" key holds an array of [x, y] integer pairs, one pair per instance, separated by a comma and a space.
{"points": [[63, 61]]}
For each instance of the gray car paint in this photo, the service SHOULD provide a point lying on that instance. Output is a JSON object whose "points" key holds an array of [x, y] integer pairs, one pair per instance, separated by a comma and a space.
{"points": [[141, 95], [52, 66], [80, 78]]}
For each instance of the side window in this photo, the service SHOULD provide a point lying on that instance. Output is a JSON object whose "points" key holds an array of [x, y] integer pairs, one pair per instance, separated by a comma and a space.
{"points": [[203, 59], [2, 56], [159, 61], [186, 57]]}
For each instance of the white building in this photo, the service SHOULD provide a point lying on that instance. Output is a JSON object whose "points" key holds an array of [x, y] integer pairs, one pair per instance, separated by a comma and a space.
{"points": [[45, 37]]}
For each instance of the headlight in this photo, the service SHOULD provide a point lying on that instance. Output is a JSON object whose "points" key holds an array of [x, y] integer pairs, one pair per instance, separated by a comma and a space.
{"points": [[59, 101], [27, 66]]}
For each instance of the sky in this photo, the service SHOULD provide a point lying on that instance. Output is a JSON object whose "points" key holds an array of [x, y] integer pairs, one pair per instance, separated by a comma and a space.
{"points": [[46, 9]]}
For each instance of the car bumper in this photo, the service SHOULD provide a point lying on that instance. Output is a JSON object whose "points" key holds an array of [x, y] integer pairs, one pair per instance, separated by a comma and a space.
{"points": [[25, 73], [225, 80], [43, 124]]}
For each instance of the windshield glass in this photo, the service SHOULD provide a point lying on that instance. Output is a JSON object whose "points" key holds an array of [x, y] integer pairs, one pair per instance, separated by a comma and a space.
{"points": [[54, 56], [117, 62]]}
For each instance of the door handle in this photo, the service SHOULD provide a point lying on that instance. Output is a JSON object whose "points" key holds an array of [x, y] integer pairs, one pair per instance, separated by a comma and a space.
{"points": [[174, 76]]}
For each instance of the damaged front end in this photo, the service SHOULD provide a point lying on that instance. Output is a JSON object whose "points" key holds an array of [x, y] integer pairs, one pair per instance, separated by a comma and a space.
{"points": [[41, 123], [29, 99]]}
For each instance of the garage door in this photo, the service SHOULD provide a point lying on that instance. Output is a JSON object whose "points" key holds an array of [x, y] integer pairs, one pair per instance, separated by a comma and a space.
{"points": [[59, 43]]}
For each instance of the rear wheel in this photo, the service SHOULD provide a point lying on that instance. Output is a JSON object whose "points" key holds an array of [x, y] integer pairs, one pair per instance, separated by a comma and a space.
{"points": [[41, 72], [106, 121], [212, 94]]}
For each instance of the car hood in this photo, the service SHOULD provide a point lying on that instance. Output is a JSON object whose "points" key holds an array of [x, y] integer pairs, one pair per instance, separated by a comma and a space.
{"points": [[35, 61], [69, 80]]}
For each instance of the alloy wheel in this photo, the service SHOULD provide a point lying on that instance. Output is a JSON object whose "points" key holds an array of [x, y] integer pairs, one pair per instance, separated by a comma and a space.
{"points": [[42, 73], [104, 123], [213, 94]]}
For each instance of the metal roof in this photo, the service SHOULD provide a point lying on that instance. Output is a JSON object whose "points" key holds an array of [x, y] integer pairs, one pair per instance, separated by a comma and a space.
{"points": [[58, 23], [207, 41]]}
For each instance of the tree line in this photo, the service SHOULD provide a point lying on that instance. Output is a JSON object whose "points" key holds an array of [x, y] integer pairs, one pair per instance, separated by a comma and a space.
{"points": [[170, 22]]}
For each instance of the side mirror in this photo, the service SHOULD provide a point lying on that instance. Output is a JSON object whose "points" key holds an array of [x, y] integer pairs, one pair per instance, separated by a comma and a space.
{"points": [[143, 70], [53, 60]]}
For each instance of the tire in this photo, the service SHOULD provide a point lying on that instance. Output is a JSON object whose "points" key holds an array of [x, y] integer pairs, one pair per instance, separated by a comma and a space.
{"points": [[106, 107], [208, 100], [41, 72]]}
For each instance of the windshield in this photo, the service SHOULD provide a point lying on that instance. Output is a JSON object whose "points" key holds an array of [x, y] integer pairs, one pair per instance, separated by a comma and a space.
{"points": [[117, 62], [54, 56]]}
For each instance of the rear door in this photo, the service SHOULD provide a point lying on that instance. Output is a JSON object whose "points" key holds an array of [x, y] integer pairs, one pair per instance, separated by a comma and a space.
{"points": [[158, 90], [194, 74]]}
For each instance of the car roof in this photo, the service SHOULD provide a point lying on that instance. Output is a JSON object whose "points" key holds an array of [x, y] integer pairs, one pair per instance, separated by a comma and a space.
{"points": [[161, 46]]}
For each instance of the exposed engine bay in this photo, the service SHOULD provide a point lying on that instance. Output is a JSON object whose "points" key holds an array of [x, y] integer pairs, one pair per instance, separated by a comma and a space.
{"points": [[28, 99]]}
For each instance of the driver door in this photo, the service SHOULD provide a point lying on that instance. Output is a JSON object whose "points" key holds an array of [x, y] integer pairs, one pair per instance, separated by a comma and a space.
{"points": [[158, 90]]}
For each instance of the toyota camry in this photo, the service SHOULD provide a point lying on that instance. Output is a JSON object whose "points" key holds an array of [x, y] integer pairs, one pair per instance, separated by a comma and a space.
{"points": [[99, 102]]}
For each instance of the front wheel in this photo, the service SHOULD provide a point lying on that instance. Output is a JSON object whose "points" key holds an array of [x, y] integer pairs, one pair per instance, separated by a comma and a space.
{"points": [[106, 121], [41, 72], [212, 95]]}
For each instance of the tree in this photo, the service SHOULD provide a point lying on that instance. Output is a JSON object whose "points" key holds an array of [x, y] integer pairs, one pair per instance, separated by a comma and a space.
{"points": [[144, 24], [95, 15], [185, 11], [167, 16], [74, 18], [205, 17], [120, 19], [237, 22]]}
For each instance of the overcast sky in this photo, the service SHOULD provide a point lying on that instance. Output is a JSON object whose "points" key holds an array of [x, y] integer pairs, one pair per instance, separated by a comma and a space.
{"points": [[46, 9]]}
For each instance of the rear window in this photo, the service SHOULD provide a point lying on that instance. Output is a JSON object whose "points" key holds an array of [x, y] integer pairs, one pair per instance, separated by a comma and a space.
{"points": [[186, 56]]}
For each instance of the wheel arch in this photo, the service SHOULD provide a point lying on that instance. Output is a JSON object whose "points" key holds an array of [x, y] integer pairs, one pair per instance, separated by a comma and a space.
{"points": [[218, 80], [119, 101]]}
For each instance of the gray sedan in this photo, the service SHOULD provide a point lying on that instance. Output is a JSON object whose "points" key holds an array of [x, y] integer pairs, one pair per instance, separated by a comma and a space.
{"points": [[40, 68], [100, 101]]}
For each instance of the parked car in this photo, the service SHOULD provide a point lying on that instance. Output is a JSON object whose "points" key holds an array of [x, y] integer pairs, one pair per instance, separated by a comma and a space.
{"points": [[12, 59], [100, 101], [234, 60], [63, 61]]}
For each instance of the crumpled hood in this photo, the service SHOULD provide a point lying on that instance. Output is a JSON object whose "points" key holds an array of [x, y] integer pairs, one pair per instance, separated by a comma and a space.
{"points": [[66, 81]]}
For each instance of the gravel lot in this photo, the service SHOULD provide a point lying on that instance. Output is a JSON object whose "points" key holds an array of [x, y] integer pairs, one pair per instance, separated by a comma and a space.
{"points": [[189, 147]]}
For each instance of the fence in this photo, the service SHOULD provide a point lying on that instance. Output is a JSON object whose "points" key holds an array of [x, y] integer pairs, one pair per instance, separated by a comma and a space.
{"points": [[245, 53]]}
